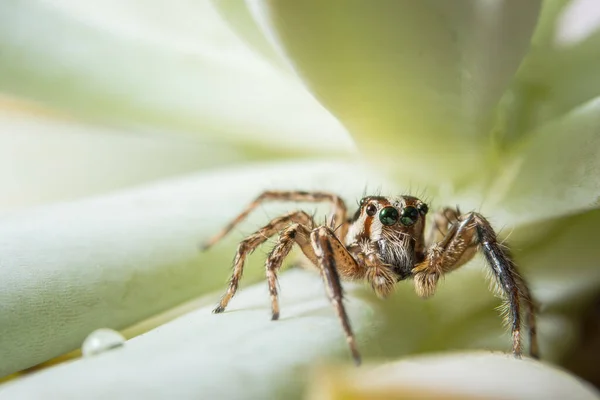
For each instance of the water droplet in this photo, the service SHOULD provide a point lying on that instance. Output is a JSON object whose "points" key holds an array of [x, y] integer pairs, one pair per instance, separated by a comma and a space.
{"points": [[101, 340]]}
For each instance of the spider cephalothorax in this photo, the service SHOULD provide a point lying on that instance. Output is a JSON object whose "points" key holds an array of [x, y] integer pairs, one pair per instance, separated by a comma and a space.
{"points": [[383, 243], [393, 229]]}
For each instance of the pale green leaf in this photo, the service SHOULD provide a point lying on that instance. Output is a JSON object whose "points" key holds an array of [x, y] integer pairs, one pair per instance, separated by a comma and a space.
{"points": [[47, 158], [112, 261], [555, 171], [416, 83], [200, 354], [452, 376], [175, 68], [561, 71], [239, 354], [561, 258], [239, 16]]}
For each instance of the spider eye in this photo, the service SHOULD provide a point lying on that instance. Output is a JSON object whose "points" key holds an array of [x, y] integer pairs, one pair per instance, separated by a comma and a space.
{"points": [[423, 209], [389, 216], [409, 216], [371, 209]]}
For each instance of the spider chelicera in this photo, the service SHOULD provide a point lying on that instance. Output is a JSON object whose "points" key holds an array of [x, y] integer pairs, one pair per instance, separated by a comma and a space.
{"points": [[383, 243]]}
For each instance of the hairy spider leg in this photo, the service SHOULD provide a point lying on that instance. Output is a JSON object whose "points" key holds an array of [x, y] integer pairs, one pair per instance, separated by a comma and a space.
{"points": [[459, 246], [372, 269], [511, 282], [454, 250], [249, 244], [339, 210], [534, 350], [324, 249], [330, 252], [295, 233], [442, 223]]}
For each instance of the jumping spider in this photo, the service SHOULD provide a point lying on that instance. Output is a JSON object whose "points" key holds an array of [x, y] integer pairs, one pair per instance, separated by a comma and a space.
{"points": [[383, 243]]}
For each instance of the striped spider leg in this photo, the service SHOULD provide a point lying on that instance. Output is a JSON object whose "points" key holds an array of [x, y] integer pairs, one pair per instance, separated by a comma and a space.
{"points": [[382, 244], [296, 219], [453, 241]]}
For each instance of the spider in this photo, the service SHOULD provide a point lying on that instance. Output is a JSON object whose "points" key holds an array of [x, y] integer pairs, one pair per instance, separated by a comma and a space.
{"points": [[383, 243]]}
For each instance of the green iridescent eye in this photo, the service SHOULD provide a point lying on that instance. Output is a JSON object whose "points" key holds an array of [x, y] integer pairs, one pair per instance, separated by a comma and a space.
{"points": [[409, 216], [389, 216]]}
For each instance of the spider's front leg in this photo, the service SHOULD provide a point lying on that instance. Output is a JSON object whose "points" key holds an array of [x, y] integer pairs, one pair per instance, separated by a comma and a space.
{"points": [[463, 235], [324, 249], [333, 260]]}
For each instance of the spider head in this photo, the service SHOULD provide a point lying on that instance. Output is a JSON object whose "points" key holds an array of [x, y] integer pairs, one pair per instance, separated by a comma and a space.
{"points": [[388, 217]]}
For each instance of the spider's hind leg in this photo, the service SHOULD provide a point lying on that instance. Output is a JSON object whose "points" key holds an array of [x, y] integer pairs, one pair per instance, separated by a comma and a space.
{"points": [[338, 209]]}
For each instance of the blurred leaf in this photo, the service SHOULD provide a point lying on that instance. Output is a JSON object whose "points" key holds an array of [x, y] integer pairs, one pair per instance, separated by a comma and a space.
{"points": [[557, 169], [239, 16], [558, 75], [407, 76], [562, 260], [177, 69], [46, 158], [452, 376]]}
